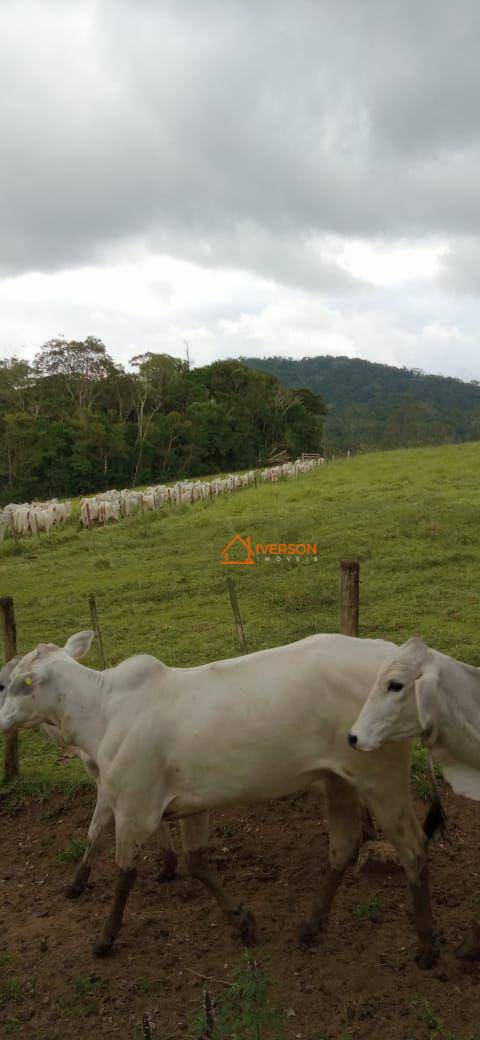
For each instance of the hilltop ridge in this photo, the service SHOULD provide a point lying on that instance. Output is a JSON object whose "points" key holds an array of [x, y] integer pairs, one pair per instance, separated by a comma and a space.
{"points": [[376, 406]]}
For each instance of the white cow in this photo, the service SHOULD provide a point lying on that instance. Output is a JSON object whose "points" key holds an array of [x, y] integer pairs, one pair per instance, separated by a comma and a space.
{"points": [[149, 500], [183, 492], [160, 495], [8, 515], [5, 524], [89, 511], [61, 512], [108, 509], [232, 732], [21, 519], [419, 692], [130, 501], [102, 813], [42, 519]]}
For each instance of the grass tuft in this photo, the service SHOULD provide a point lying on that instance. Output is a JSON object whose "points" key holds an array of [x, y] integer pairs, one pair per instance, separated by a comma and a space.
{"points": [[243, 1012], [73, 853], [369, 911]]}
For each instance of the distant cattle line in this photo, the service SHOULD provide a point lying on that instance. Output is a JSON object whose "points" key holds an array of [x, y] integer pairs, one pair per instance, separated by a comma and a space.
{"points": [[20, 520]]}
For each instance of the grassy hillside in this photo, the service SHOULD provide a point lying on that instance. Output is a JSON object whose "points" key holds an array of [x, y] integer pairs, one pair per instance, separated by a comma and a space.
{"points": [[411, 517], [371, 405]]}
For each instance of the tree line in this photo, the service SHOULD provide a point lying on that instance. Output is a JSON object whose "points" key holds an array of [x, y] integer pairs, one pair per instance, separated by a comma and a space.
{"points": [[74, 421]]}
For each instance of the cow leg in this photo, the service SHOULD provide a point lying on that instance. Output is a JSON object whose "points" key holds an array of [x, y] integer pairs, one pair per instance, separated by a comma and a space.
{"points": [[194, 831], [130, 837], [398, 821], [369, 830], [99, 824], [345, 831], [169, 855], [125, 882]]}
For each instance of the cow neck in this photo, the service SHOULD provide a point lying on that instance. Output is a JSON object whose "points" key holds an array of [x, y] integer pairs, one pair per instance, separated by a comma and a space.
{"points": [[459, 731], [79, 705]]}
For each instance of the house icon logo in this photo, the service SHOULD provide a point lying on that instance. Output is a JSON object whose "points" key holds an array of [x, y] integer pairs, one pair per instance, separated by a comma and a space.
{"points": [[238, 552]]}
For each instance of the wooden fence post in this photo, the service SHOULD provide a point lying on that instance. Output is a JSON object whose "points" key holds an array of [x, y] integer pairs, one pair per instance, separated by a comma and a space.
{"points": [[11, 762], [96, 627], [236, 615], [349, 610], [349, 596]]}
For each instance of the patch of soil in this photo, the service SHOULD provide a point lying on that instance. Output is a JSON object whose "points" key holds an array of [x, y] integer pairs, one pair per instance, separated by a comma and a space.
{"points": [[359, 981]]}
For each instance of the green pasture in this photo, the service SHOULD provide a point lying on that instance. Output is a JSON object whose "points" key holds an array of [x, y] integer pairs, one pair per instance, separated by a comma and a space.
{"points": [[411, 517]]}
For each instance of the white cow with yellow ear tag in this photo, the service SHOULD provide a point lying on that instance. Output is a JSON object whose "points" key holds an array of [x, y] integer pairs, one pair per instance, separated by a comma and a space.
{"points": [[77, 647]]}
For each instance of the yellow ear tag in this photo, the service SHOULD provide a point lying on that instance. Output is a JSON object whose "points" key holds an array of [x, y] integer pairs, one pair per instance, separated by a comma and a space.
{"points": [[28, 681]]}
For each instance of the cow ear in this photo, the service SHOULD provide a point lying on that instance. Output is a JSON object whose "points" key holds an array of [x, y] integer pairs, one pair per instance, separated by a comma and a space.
{"points": [[426, 696], [10, 665], [7, 670], [79, 644]]}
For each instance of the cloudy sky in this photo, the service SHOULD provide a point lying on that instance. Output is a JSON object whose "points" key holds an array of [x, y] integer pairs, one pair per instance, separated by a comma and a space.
{"points": [[286, 176]]}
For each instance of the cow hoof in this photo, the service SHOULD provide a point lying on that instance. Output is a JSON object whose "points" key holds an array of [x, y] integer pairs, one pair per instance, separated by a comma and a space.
{"points": [[164, 877], [469, 950], [427, 957], [169, 868], [245, 929], [306, 934], [79, 883], [74, 891], [102, 947]]}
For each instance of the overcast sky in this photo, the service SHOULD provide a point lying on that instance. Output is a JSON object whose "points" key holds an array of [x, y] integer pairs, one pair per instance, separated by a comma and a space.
{"points": [[252, 176]]}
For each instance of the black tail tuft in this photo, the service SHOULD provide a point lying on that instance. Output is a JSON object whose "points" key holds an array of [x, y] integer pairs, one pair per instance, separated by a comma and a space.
{"points": [[435, 819]]}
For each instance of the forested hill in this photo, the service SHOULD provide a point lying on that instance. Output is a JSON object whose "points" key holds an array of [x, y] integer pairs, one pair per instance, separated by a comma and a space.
{"points": [[378, 406]]}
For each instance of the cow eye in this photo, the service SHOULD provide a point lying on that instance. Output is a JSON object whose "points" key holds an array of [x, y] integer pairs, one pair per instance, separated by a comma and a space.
{"points": [[2, 687], [394, 686]]}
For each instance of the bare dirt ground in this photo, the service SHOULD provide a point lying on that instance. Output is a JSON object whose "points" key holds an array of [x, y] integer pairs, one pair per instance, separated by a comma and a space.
{"points": [[360, 981]]}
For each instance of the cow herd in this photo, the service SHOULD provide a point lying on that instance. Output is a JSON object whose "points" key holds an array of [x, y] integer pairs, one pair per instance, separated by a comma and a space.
{"points": [[34, 518], [165, 744]]}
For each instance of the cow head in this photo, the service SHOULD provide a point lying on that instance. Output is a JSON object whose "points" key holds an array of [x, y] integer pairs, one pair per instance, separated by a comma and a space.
{"points": [[403, 700], [28, 695]]}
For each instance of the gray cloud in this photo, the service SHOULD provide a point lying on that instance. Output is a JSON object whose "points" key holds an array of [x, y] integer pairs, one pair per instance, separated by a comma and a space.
{"points": [[460, 269], [290, 259], [239, 135], [233, 123]]}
